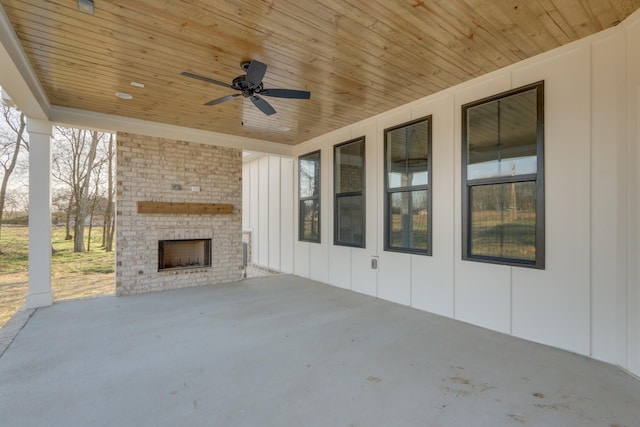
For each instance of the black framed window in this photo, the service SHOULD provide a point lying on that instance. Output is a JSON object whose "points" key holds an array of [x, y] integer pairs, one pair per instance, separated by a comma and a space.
{"points": [[309, 197], [349, 203], [503, 179], [407, 182]]}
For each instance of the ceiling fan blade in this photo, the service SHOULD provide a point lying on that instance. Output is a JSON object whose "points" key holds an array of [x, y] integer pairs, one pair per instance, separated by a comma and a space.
{"points": [[262, 105], [255, 72], [286, 93], [205, 79], [223, 99]]}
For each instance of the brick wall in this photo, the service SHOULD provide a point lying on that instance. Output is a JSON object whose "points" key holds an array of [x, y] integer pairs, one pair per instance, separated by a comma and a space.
{"points": [[147, 169]]}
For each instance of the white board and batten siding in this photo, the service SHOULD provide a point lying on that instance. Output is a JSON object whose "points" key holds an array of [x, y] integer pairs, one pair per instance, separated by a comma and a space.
{"points": [[587, 299], [268, 211]]}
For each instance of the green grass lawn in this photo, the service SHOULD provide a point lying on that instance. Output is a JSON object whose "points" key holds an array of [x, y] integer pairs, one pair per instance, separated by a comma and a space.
{"points": [[73, 275]]}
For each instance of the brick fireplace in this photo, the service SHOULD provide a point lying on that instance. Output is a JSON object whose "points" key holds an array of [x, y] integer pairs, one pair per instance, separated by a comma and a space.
{"points": [[199, 247]]}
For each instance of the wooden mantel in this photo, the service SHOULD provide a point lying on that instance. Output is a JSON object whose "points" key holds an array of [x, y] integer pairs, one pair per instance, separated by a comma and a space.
{"points": [[184, 208]]}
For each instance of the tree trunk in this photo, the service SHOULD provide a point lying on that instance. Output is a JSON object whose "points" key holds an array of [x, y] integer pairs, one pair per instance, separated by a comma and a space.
{"points": [[82, 201], [68, 236], [92, 212], [109, 214], [104, 230], [109, 246], [78, 227], [90, 228]]}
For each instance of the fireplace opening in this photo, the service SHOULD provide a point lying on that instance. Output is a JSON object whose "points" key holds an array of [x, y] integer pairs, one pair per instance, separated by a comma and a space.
{"points": [[181, 254]]}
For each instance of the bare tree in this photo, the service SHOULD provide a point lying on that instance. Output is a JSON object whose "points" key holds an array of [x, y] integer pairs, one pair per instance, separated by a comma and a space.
{"points": [[70, 205], [95, 198], [60, 207], [109, 217], [82, 199], [73, 163], [10, 145], [15, 205]]}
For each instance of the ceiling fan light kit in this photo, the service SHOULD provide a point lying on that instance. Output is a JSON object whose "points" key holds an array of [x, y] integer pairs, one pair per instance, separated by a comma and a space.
{"points": [[250, 86]]}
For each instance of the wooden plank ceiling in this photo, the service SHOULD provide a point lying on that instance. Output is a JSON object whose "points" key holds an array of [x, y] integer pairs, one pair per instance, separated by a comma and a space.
{"points": [[357, 58]]}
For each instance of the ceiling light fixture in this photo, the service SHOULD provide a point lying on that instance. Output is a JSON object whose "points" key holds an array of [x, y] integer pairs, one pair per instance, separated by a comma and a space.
{"points": [[123, 95], [137, 84], [85, 6]]}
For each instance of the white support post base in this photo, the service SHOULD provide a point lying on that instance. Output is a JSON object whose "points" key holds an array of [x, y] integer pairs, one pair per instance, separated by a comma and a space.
{"points": [[40, 293]]}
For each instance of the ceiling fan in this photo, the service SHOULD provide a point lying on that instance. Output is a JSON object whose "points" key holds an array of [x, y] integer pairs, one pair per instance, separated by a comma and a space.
{"points": [[250, 86]]}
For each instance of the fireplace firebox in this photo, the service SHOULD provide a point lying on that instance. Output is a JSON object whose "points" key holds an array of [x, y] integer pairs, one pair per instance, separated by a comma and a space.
{"points": [[182, 254]]}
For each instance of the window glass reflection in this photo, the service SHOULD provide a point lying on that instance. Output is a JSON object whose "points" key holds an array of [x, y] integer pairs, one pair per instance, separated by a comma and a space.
{"points": [[503, 220], [309, 173], [350, 220], [502, 137], [350, 164], [408, 220], [407, 155], [310, 219]]}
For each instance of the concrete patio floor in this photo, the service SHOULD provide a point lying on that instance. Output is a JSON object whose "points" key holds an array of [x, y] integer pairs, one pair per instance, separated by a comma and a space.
{"points": [[286, 351]]}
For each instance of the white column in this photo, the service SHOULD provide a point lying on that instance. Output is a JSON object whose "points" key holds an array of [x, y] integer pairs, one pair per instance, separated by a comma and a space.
{"points": [[40, 293]]}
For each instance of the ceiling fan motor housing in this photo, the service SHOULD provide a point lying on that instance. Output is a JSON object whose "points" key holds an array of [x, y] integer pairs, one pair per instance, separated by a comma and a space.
{"points": [[248, 88]]}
